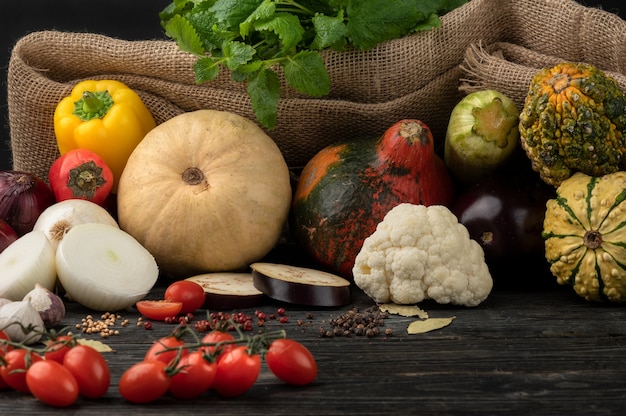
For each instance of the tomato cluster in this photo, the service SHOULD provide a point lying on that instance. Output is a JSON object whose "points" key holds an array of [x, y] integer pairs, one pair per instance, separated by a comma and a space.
{"points": [[218, 361], [59, 374]]}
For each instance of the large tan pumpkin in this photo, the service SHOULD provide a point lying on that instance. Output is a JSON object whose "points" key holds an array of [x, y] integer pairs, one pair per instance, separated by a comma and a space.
{"points": [[205, 191]]}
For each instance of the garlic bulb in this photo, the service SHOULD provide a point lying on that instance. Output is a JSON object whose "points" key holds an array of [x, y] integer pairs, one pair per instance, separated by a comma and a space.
{"points": [[18, 316], [49, 305]]}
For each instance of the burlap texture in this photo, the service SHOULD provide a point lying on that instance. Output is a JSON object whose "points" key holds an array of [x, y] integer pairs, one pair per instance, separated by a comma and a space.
{"points": [[414, 77]]}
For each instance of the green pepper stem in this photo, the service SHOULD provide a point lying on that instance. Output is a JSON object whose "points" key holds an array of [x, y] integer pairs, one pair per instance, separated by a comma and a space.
{"points": [[93, 105]]}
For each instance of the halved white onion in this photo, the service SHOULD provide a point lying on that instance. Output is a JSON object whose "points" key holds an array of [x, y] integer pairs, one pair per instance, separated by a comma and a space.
{"points": [[56, 220], [104, 268], [28, 261]]}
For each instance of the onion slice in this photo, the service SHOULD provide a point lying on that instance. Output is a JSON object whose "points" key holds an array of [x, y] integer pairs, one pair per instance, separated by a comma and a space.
{"points": [[300, 285], [228, 290], [104, 268], [57, 219], [28, 261]]}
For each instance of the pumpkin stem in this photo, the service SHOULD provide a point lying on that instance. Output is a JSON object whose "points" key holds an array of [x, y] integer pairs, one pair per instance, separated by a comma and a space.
{"points": [[592, 239], [412, 131], [192, 176]]}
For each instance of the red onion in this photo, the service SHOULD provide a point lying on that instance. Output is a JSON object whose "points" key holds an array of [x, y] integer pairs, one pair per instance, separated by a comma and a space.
{"points": [[23, 197], [7, 235]]}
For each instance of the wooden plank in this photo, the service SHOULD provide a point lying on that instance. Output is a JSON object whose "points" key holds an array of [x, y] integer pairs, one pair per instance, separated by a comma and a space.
{"points": [[545, 352]]}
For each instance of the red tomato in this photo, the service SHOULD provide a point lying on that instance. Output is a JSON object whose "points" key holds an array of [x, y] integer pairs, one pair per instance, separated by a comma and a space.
{"points": [[15, 362], [56, 348], [80, 174], [291, 362], [90, 370], [144, 382], [4, 348], [158, 310], [215, 336], [195, 376], [52, 383], [189, 293], [166, 349], [236, 372]]}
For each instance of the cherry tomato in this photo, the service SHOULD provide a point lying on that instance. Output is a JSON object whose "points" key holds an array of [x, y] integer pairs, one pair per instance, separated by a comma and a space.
{"points": [[15, 362], [90, 370], [81, 174], [165, 349], [158, 310], [52, 383], [56, 348], [215, 336], [4, 348], [291, 362], [195, 376], [144, 382], [236, 372], [189, 293]]}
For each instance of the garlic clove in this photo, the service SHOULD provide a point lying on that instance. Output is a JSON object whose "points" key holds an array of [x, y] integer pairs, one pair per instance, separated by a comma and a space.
{"points": [[49, 305]]}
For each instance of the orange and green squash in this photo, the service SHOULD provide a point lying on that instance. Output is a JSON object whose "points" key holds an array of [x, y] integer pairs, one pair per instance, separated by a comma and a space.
{"points": [[573, 120], [346, 189]]}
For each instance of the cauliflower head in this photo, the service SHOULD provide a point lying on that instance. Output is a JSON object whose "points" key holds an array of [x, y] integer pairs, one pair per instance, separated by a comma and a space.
{"points": [[419, 253]]}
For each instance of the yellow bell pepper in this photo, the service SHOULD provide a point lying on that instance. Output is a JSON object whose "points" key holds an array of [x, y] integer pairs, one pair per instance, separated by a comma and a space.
{"points": [[106, 117]]}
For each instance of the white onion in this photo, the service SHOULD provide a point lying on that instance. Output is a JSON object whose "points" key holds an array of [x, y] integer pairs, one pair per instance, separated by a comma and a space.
{"points": [[28, 261], [104, 268], [59, 218]]}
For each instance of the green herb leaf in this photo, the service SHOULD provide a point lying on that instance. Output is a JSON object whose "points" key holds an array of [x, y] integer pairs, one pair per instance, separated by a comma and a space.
{"points": [[187, 38], [329, 32], [232, 13], [206, 69], [264, 11], [307, 73], [264, 92], [286, 26], [371, 22], [237, 53]]}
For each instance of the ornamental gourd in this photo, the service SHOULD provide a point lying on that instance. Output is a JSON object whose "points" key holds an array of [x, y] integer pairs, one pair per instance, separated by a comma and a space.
{"points": [[585, 232], [346, 189], [573, 121], [205, 191]]}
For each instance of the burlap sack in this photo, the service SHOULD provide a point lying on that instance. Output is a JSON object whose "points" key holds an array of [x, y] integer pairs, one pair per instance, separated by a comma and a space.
{"points": [[509, 68], [414, 77]]}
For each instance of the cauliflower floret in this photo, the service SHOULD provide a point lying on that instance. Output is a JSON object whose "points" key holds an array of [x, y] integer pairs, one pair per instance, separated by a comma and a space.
{"points": [[418, 253]]}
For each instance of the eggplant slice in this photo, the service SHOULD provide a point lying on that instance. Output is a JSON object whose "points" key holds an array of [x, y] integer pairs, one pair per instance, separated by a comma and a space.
{"points": [[228, 290], [300, 285]]}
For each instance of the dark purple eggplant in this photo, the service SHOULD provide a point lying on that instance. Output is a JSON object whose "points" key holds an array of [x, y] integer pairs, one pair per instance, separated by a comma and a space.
{"points": [[505, 216]]}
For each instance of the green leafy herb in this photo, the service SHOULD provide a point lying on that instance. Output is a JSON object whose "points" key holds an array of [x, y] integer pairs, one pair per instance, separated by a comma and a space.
{"points": [[252, 38]]}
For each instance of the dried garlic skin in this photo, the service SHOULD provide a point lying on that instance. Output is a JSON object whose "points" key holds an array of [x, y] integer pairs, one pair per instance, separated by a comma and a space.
{"points": [[585, 236]]}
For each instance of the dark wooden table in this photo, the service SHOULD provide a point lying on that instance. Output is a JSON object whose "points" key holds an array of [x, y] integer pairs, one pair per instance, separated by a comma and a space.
{"points": [[542, 352]]}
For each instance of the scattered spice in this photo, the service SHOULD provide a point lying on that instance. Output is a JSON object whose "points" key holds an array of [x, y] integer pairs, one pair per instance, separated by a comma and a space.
{"points": [[105, 325], [239, 320], [360, 323]]}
